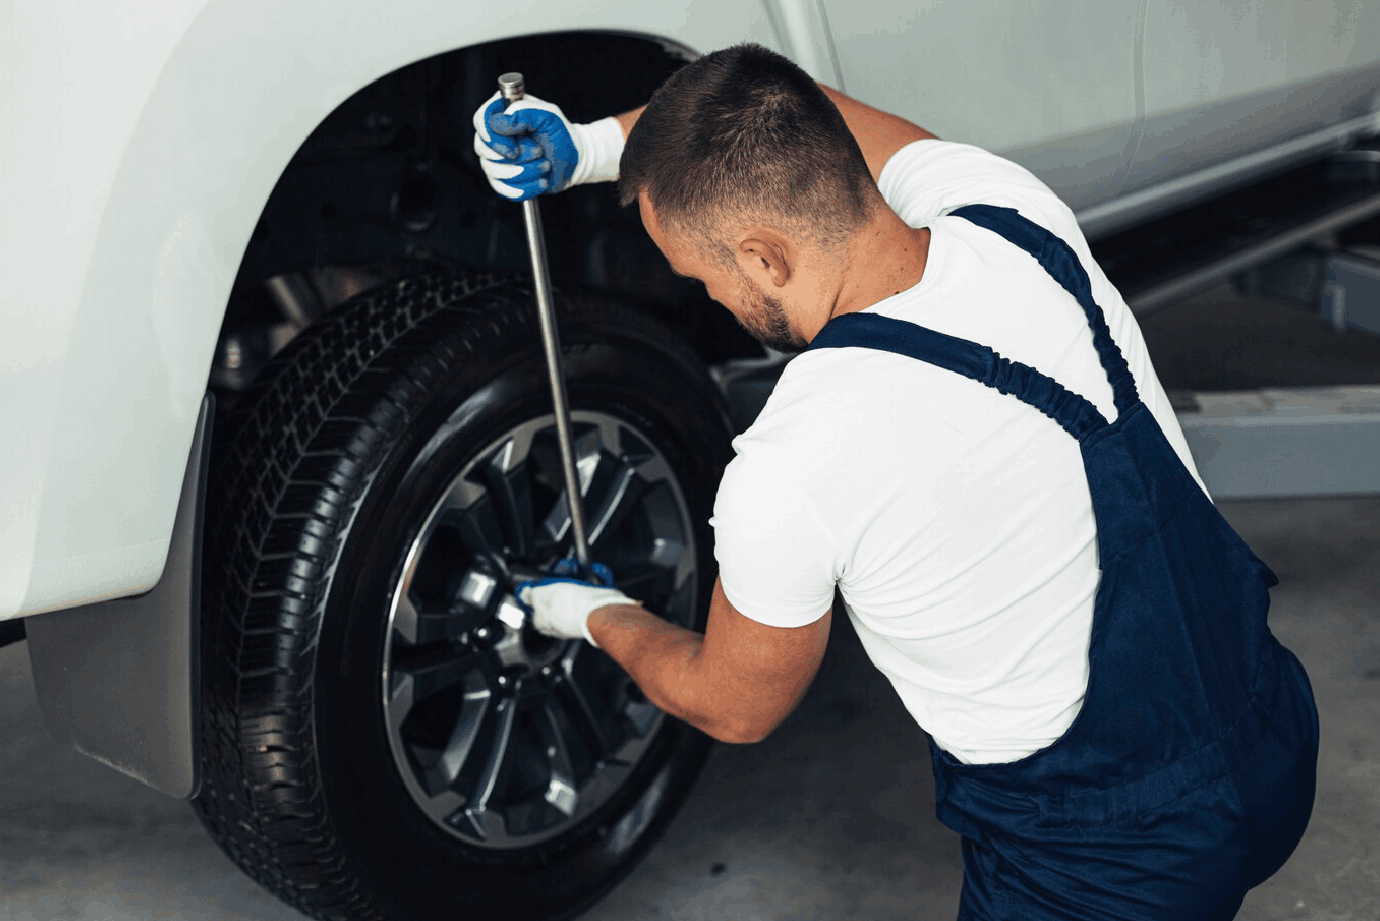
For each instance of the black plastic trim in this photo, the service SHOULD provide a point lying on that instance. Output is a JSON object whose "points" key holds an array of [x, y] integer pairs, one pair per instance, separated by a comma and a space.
{"points": [[118, 680]]}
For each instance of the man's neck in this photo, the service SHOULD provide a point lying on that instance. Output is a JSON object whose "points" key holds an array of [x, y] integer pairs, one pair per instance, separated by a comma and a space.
{"points": [[885, 258]]}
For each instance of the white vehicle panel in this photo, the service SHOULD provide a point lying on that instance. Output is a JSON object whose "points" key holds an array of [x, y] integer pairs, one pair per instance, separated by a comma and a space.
{"points": [[56, 170], [140, 159], [1199, 52], [1225, 79], [990, 72], [1052, 83]]}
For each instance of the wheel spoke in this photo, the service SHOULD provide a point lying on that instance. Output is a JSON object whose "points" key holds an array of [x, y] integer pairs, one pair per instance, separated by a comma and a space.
{"points": [[671, 549], [555, 527], [561, 791], [476, 813], [460, 745], [588, 457], [617, 503], [641, 715], [434, 671], [405, 617], [399, 701], [581, 706], [610, 435], [508, 478], [421, 623], [588, 453], [471, 509]]}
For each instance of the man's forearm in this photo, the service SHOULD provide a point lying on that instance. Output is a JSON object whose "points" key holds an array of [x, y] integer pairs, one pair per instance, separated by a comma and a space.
{"points": [[628, 119], [737, 684], [879, 134], [660, 656]]}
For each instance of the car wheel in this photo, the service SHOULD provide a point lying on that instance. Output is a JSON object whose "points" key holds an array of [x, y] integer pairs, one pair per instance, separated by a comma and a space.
{"points": [[384, 736]]}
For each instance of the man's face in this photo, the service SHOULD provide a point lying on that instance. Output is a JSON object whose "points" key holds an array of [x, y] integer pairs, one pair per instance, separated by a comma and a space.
{"points": [[762, 315]]}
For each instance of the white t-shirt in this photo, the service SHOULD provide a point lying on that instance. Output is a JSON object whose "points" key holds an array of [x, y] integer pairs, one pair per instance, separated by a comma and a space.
{"points": [[955, 521]]}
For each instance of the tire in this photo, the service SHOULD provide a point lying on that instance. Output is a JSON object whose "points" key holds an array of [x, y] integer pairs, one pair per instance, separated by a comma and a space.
{"points": [[383, 738]]}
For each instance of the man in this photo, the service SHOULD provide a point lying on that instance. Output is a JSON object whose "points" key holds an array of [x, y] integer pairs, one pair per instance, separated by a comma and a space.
{"points": [[1115, 732]]}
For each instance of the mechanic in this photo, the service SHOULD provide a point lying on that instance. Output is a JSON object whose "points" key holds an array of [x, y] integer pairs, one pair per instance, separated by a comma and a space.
{"points": [[1115, 732]]}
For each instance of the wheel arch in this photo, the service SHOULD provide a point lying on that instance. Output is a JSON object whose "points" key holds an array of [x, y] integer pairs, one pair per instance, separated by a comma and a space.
{"points": [[387, 179]]}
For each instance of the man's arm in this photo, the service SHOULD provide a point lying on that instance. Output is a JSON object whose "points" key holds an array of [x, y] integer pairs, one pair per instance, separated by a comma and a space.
{"points": [[737, 682], [628, 119], [879, 134], [519, 167]]}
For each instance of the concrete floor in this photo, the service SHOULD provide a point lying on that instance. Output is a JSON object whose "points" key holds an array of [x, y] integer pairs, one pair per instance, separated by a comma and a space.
{"points": [[830, 818]]}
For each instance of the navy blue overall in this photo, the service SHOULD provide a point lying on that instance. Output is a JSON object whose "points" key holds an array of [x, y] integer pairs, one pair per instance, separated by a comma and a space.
{"points": [[1188, 775]]}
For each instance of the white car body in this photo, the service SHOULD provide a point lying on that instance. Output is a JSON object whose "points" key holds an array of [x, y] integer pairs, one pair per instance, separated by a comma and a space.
{"points": [[141, 141], [130, 184]]}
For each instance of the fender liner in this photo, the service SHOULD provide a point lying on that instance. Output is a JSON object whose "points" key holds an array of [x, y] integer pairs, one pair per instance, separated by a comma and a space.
{"points": [[118, 680], [11, 631]]}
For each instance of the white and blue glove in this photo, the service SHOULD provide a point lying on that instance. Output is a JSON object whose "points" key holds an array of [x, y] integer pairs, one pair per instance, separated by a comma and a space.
{"points": [[560, 605], [529, 147]]}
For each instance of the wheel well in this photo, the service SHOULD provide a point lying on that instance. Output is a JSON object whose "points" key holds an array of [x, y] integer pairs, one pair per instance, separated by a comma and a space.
{"points": [[388, 182]]}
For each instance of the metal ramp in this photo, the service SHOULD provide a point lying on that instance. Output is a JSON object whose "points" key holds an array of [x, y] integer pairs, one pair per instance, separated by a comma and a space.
{"points": [[1287, 239], [1300, 441]]}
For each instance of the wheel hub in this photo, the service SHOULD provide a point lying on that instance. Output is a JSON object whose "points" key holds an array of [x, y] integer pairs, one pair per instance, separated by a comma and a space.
{"points": [[505, 737]]}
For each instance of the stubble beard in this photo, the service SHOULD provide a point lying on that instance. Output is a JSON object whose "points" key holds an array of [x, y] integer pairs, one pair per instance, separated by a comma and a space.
{"points": [[765, 320]]}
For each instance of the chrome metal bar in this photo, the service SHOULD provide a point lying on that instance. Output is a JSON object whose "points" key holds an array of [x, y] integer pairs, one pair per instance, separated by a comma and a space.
{"points": [[1109, 217], [1162, 295], [513, 89]]}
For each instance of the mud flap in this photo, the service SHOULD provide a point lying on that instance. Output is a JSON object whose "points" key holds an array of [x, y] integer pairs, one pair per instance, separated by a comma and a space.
{"points": [[117, 680]]}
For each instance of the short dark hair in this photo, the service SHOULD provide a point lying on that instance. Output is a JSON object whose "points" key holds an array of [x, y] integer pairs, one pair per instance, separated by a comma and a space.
{"points": [[745, 134]]}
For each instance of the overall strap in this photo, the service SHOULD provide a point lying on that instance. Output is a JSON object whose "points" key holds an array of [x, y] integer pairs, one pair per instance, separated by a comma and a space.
{"points": [[872, 331], [1058, 259]]}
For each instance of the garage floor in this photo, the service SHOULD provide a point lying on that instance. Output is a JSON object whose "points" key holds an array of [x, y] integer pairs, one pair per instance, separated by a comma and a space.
{"points": [[831, 817]]}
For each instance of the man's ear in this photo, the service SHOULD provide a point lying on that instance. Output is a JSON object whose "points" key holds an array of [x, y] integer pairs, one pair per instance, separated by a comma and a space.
{"points": [[765, 258]]}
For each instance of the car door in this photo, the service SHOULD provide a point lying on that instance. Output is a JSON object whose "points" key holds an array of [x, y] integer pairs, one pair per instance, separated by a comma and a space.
{"points": [[1232, 77], [1051, 83]]}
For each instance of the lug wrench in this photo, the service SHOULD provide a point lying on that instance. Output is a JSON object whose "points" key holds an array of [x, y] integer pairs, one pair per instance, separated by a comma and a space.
{"points": [[511, 86]]}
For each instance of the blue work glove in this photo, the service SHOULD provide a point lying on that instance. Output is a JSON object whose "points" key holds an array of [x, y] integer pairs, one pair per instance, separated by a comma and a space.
{"points": [[561, 603], [529, 147]]}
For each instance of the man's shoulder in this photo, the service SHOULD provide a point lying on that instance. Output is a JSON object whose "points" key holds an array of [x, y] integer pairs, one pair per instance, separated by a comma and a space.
{"points": [[945, 159], [927, 179]]}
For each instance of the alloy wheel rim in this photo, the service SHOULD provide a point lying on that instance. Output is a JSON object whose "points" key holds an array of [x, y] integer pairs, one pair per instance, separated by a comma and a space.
{"points": [[506, 738]]}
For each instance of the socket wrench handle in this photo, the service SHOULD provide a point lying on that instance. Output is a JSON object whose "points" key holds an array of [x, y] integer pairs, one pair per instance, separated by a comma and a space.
{"points": [[512, 87]]}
